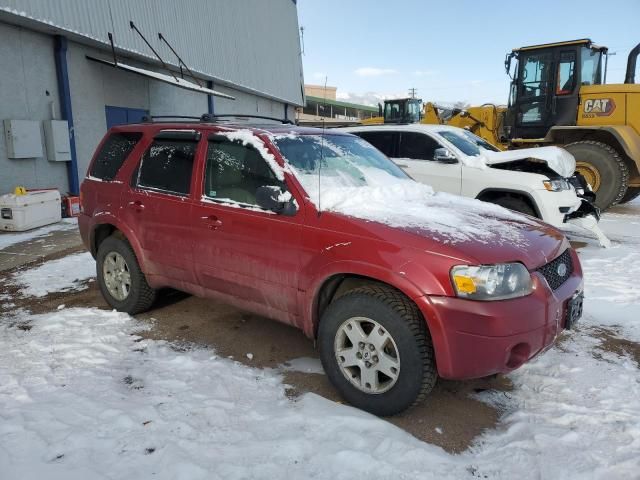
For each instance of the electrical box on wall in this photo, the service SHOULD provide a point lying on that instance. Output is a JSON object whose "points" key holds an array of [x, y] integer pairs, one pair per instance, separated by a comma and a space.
{"points": [[56, 134], [24, 138]]}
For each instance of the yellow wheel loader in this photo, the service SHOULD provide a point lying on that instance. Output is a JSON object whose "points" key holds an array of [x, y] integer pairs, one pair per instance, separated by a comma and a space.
{"points": [[559, 97]]}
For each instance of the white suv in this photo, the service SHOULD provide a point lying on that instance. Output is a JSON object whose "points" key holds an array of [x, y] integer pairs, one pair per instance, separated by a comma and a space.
{"points": [[535, 181]]}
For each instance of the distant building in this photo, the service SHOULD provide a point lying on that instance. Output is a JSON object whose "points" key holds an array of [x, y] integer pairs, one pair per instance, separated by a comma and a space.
{"points": [[57, 99], [322, 105]]}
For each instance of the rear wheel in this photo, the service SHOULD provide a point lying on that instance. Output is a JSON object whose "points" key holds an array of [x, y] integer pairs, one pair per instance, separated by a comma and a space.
{"points": [[603, 168], [121, 281], [376, 350], [515, 203], [632, 192]]}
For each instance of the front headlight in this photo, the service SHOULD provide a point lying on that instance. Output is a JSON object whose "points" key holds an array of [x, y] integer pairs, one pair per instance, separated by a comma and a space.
{"points": [[557, 185], [491, 282]]}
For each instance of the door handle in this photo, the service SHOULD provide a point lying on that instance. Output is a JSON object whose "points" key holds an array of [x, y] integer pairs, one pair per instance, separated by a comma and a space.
{"points": [[212, 221], [402, 165], [138, 206]]}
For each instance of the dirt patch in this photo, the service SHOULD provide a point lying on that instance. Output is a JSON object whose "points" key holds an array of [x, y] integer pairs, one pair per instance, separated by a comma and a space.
{"points": [[576, 244], [450, 417], [90, 297], [611, 342]]}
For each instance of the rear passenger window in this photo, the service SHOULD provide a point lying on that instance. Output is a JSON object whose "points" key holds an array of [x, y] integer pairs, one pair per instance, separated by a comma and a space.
{"points": [[383, 141], [113, 153], [234, 172], [167, 166], [417, 146]]}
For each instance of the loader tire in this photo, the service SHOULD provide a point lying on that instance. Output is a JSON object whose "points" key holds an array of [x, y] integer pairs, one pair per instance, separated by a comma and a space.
{"points": [[603, 168], [632, 192]]}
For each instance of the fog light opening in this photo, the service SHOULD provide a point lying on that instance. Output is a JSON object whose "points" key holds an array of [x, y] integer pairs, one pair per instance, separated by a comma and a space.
{"points": [[518, 355]]}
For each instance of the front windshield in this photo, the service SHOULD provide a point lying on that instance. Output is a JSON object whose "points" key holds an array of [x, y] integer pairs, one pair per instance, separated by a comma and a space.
{"points": [[461, 142], [336, 161], [591, 66], [481, 142]]}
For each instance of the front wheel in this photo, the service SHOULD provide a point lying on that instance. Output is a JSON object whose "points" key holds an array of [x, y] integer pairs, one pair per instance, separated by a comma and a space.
{"points": [[121, 281], [516, 204], [376, 350]]}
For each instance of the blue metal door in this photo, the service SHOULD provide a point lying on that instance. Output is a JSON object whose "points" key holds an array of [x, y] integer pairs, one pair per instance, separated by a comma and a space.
{"points": [[123, 115]]}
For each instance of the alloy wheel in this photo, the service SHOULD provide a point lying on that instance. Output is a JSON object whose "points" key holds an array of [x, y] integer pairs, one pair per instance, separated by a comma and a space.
{"points": [[116, 275], [367, 355]]}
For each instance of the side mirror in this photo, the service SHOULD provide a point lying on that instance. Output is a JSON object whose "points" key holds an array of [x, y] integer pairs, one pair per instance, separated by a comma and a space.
{"points": [[271, 197], [443, 155]]}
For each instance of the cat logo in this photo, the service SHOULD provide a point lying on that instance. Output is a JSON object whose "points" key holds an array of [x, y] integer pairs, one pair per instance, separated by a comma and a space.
{"points": [[600, 107]]}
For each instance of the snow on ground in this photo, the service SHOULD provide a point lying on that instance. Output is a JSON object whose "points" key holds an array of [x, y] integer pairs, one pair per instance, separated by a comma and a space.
{"points": [[83, 397], [612, 296], [304, 365], [11, 238], [62, 275]]}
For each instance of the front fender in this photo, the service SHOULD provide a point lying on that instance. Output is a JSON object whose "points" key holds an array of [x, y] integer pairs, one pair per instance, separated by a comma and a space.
{"points": [[409, 278]]}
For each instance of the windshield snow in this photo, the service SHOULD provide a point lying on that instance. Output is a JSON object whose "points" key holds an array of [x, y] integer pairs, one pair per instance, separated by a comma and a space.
{"points": [[357, 180], [340, 161]]}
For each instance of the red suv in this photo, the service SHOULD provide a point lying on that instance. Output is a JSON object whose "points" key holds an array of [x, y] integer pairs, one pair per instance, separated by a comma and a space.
{"points": [[321, 231]]}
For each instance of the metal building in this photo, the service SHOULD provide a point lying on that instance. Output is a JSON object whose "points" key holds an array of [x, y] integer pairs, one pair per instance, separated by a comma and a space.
{"points": [[59, 90]]}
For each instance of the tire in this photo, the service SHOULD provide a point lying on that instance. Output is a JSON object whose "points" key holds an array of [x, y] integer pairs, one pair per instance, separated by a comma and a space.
{"points": [[604, 169], [402, 322], [632, 193], [515, 203], [140, 295]]}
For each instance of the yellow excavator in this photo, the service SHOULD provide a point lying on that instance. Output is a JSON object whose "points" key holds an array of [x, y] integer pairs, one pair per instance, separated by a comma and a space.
{"points": [[559, 96]]}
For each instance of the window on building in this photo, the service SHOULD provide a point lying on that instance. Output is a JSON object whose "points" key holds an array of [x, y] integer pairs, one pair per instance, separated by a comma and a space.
{"points": [[417, 146], [113, 153], [566, 73], [167, 166], [234, 172]]}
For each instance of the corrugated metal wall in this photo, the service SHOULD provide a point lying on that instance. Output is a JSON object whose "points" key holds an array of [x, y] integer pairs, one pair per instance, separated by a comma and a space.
{"points": [[248, 43]]}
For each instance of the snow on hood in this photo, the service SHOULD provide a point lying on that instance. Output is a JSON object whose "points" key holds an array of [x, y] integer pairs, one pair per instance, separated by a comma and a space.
{"points": [[558, 159], [412, 205]]}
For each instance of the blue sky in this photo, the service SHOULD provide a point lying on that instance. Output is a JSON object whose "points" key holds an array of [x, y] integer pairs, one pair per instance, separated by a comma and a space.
{"points": [[449, 50]]}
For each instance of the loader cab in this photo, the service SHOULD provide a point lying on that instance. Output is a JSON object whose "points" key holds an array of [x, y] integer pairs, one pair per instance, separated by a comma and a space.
{"points": [[545, 86], [402, 110]]}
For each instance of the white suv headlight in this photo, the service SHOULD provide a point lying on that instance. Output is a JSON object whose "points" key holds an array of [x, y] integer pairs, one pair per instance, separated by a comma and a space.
{"points": [[491, 282], [557, 185]]}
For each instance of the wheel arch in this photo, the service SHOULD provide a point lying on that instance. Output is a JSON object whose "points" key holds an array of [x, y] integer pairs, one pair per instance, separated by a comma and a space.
{"points": [[489, 194], [622, 138], [335, 285], [101, 231]]}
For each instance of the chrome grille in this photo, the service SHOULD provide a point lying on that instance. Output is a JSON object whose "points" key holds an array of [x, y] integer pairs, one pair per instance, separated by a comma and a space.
{"points": [[553, 271]]}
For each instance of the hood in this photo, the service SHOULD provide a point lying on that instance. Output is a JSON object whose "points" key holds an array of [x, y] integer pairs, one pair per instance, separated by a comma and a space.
{"points": [[409, 214], [557, 159]]}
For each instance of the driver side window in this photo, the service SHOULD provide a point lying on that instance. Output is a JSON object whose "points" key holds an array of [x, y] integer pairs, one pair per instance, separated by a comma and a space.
{"points": [[417, 146], [234, 172]]}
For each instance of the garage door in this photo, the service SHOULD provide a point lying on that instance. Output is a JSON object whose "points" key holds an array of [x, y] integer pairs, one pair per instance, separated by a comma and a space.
{"points": [[123, 115]]}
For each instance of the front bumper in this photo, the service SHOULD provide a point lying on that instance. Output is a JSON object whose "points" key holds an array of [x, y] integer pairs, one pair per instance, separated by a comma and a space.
{"points": [[475, 339]]}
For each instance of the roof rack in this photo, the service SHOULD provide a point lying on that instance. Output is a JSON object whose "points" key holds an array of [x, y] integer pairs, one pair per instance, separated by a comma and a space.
{"points": [[167, 118], [207, 118]]}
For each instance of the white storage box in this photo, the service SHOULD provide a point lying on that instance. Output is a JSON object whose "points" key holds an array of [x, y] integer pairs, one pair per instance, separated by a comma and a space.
{"points": [[32, 210]]}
